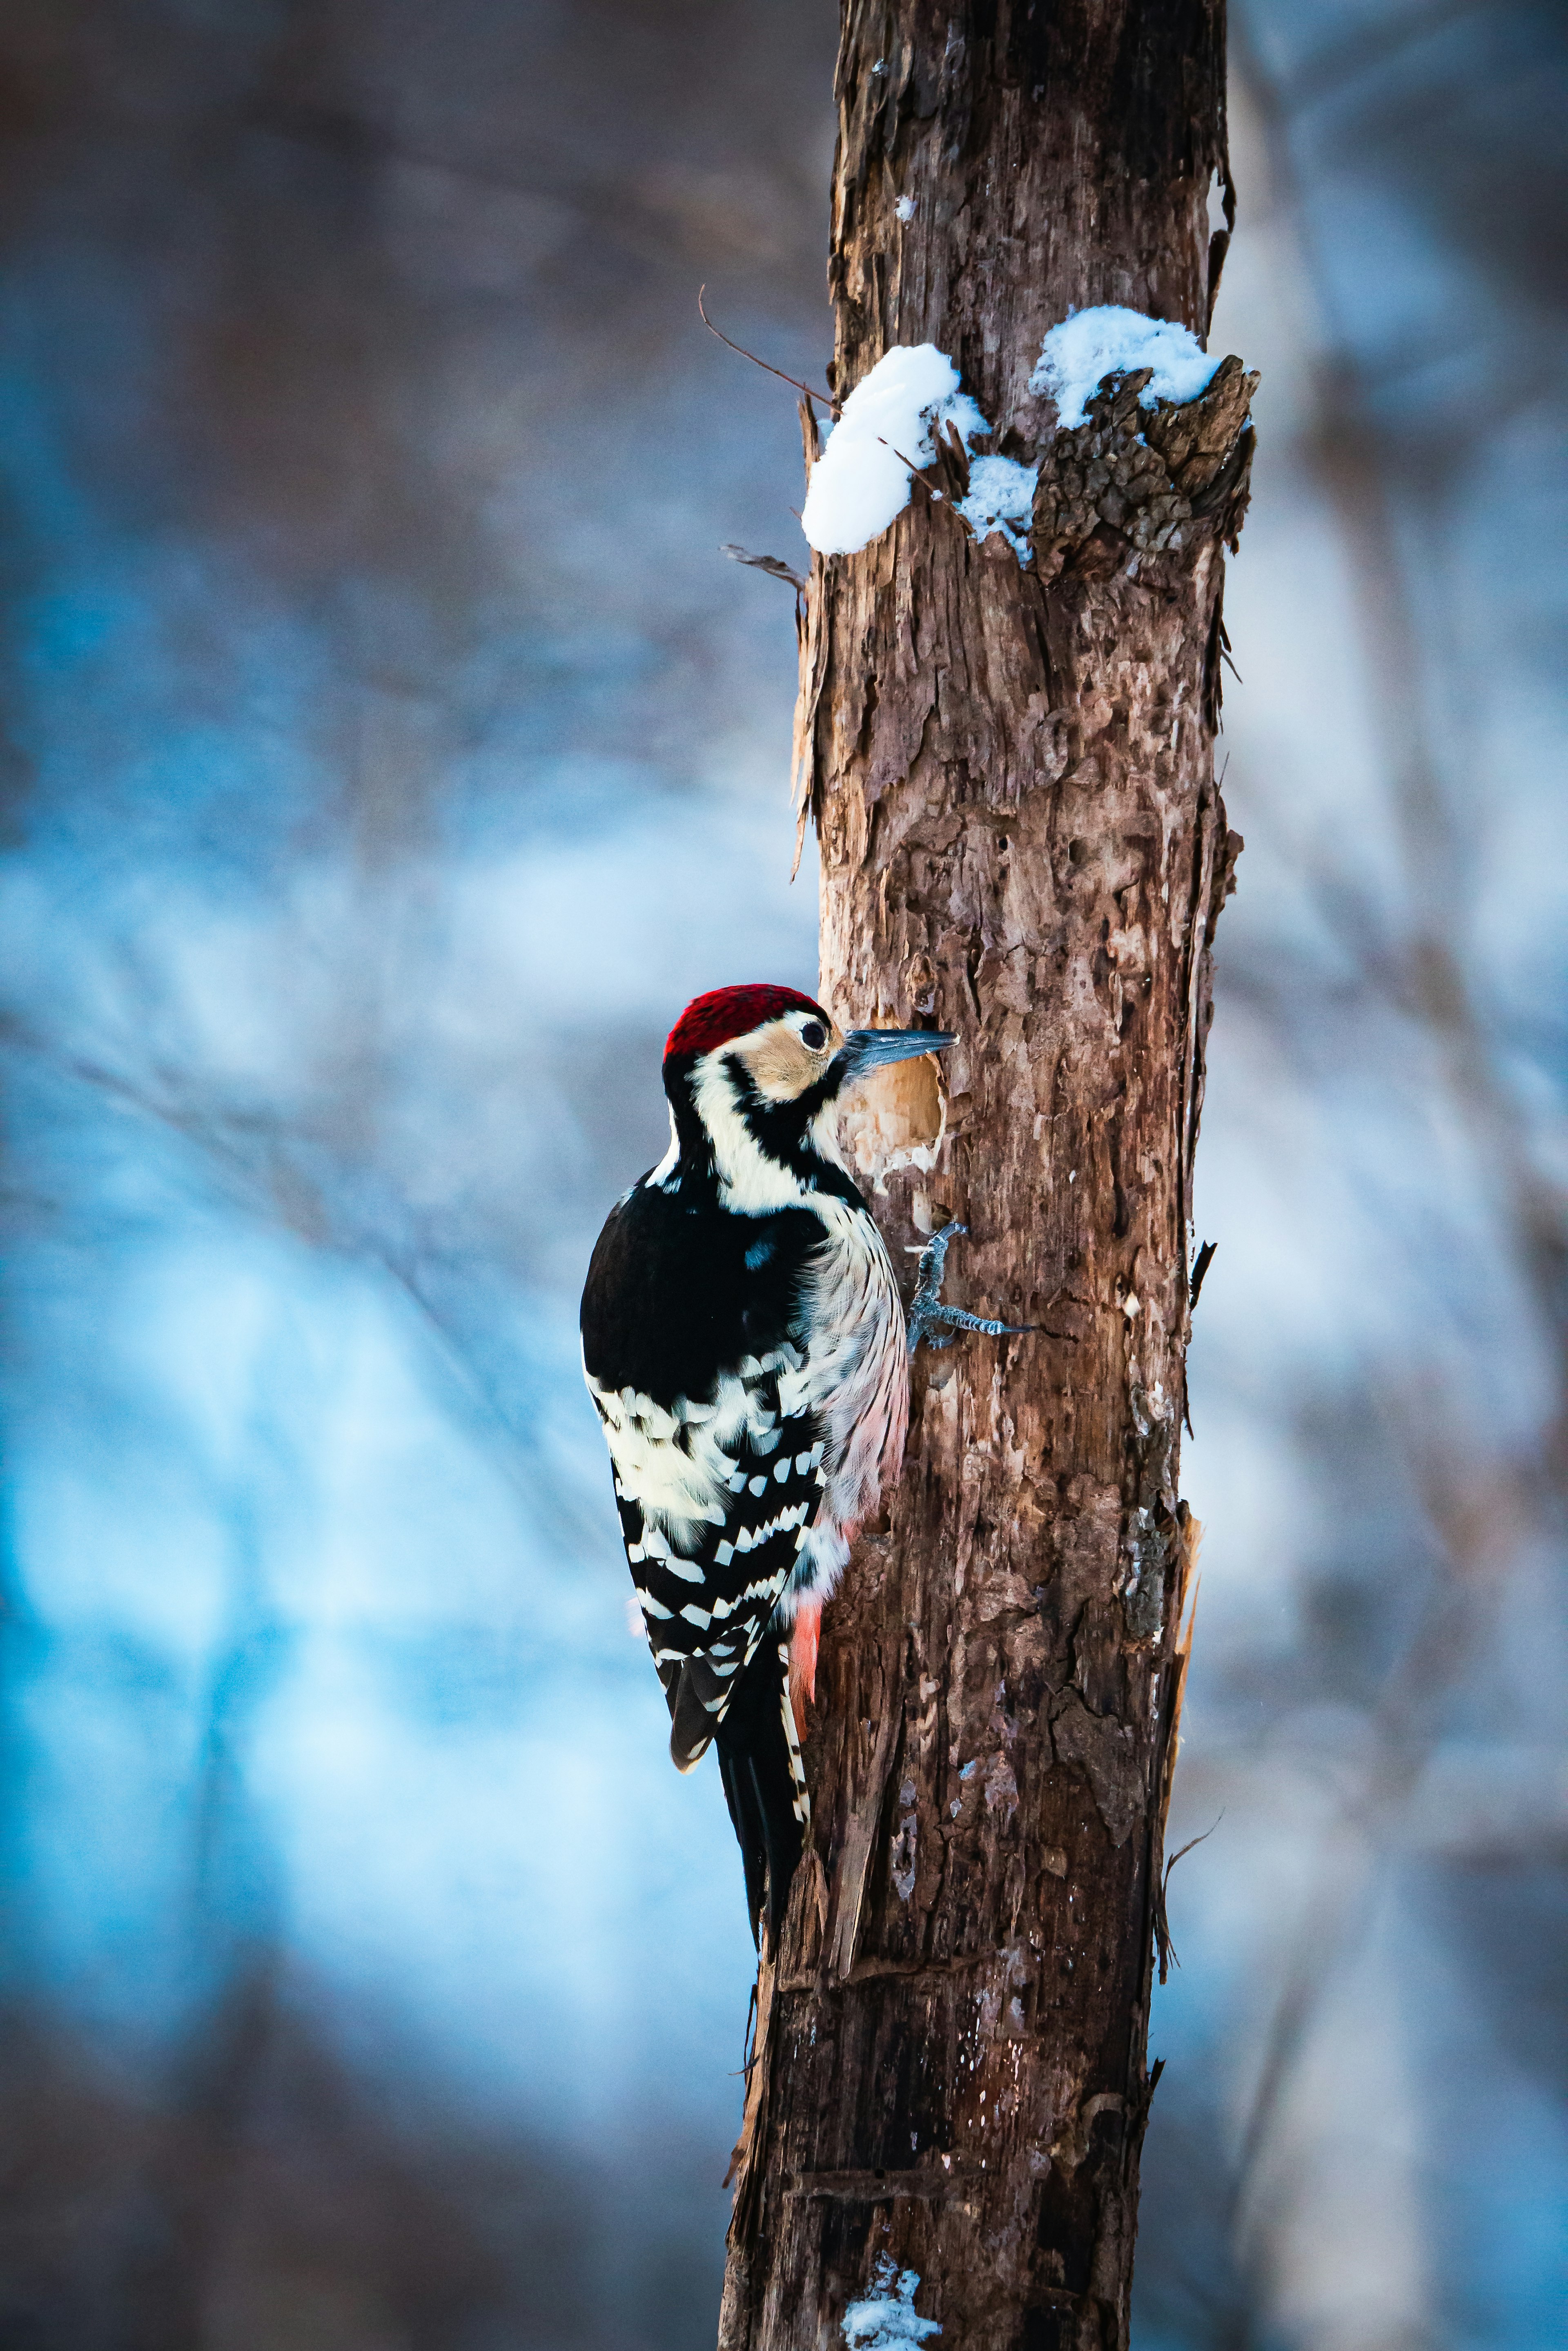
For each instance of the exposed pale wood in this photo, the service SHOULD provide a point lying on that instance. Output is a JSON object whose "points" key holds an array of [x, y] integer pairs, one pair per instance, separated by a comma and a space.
{"points": [[1011, 773]]}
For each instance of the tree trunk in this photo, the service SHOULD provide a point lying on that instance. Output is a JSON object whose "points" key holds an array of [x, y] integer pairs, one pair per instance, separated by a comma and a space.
{"points": [[1011, 773]]}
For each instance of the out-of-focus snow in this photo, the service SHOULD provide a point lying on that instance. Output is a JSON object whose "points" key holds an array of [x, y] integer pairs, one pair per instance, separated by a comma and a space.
{"points": [[1090, 345], [1002, 498], [905, 208], [860, 481], [887, 2319]]}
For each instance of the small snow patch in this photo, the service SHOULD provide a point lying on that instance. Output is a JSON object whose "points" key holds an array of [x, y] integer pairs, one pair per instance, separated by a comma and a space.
{"points": [[1002, 498], [905, 208], [1111, 341], [860, 481], [888, 2321]]}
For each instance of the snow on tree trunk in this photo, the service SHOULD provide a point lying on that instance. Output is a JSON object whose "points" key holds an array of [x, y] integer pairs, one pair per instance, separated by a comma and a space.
{"points": [[1010, 762]]}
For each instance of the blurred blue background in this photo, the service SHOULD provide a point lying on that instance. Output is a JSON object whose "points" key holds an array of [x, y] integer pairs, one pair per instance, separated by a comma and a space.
{"points": [[388, 753]]}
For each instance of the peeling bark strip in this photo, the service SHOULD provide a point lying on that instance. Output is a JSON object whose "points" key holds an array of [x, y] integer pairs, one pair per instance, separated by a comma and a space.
{"points": [[1011, 772]]}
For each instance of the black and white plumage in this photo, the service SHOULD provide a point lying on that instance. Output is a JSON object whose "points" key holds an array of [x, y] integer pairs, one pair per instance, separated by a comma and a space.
{"points": [[744, 1345]]}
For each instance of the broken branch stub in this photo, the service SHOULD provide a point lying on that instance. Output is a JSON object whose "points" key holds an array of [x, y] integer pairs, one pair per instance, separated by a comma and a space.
{"points": [[1146, 476]]}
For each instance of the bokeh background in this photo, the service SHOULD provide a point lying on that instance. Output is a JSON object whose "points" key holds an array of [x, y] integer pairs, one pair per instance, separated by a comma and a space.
{"points": [[388, 753]]}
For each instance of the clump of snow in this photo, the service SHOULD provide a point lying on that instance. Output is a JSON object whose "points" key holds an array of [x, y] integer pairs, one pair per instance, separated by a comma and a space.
{"points": [[905, 208], [860, 481], [1002, 498], [1111, 341], [888, 2321]]}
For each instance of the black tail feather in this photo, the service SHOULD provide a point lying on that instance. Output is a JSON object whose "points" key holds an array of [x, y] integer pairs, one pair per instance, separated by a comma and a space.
{"points": [[759, 1763], [691, 1718]]}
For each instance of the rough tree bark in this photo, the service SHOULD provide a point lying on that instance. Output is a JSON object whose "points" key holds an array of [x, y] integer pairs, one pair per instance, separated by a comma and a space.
{"points": [[1011, 773]]}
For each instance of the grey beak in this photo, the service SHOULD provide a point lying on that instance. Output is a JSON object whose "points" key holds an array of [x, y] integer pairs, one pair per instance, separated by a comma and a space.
{"points": [[870, 1049]]}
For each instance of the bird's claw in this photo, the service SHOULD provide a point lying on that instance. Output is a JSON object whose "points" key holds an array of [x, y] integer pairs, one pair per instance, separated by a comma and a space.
{"points": [[928, 1308]]}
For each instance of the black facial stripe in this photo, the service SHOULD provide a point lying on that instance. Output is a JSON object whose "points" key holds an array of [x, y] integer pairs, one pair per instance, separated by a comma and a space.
{"points": [[781, 1129]]}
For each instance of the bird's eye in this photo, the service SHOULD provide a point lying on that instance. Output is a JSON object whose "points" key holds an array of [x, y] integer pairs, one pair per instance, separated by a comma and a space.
{"points": [[814, 1035]]}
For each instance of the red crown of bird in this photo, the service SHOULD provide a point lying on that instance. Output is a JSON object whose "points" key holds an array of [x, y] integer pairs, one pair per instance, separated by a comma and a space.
{"points": [[725, 1012]]}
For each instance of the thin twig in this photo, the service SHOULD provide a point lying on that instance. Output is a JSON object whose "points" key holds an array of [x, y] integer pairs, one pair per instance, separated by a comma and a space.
{"points": [[832, 405], [1167, 1949], [773, 565], [936, 496], [1187, 1849]]}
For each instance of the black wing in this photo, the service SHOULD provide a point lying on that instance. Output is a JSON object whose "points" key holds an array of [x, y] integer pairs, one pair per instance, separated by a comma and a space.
{"points": [[708, 1587], [687, 1317], [717, 1447], [680, 1290]]}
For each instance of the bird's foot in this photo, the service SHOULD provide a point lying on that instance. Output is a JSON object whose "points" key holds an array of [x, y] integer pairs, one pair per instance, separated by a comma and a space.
{"points": [[928, 1308]]}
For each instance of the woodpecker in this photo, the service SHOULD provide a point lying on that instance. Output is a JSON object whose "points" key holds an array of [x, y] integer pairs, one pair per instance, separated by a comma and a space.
{"points": [[743, 1341]]}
